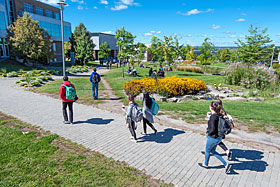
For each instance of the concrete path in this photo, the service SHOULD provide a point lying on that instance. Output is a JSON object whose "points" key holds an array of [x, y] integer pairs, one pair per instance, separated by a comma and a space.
{"points": [[172, 155]]}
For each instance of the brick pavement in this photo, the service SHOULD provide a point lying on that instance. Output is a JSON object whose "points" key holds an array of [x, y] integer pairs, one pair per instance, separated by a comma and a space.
{"points": [[172, 155]]}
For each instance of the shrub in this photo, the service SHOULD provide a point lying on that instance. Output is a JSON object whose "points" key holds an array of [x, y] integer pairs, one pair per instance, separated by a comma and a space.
{"points": [[23, 83], [215, 70], [12, 74], [170, 86], [249, 77], [190, 69], [276, 66]]}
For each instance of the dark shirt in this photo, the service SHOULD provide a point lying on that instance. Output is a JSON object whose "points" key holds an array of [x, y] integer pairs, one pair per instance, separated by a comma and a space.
{"points": [[212, 129]]}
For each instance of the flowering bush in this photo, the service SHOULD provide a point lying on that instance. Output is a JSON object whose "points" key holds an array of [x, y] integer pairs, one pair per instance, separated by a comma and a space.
{"points": [[249, 77], [171, 86]]}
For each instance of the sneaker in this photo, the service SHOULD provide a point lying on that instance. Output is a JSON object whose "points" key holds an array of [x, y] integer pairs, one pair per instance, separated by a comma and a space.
{"points": [[66, 122], [155, 132], [229, 155], [134, 140], [202, 165], [145, 134], [227, 168], [131, 137]]}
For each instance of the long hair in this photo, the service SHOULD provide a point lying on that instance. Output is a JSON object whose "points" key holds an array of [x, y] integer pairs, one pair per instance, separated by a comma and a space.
{"points": [[148, 100], [216, 107]]}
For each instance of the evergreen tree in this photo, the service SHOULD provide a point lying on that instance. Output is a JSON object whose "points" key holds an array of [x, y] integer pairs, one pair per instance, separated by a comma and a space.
{"points": [[28, 41], [256, 46], [82, 44]]}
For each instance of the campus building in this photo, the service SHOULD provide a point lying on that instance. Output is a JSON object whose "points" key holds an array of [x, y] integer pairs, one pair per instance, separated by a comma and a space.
{"points": [[47, 16], [99, 38]]}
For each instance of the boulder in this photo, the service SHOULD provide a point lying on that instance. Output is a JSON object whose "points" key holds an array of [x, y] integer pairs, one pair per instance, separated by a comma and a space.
{"points": [[173, 99], [236, 99], [222, 95], [180, 100], [255, 92], [246, 94], [158, 97]]}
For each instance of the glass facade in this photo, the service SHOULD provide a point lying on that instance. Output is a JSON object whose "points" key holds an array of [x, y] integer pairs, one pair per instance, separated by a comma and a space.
{"points": [[49, 13], [56, 16], [28, 8], [55, 29], [40, 11], [2, 21]]}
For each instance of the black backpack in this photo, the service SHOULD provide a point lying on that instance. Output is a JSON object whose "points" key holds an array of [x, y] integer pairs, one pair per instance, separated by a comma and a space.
{"points": [[94, 78], [224, 127]]}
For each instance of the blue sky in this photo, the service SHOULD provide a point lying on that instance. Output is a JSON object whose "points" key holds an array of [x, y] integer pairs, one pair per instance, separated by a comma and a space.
{"points": [[223, 21]]}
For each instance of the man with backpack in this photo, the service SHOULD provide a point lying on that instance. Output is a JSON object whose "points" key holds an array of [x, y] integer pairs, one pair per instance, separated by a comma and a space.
{"points": [[68, 95], [94, 79]]}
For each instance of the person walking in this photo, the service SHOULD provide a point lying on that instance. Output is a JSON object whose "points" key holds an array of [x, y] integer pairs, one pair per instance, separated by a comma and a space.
{"points": [[94, 79], [148, 113], [68, 95], [130, 123], [212, 137]]}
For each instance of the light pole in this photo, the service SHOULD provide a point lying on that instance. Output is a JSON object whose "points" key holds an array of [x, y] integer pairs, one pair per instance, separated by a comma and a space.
{"points": [[61, 3], [272, 57]]}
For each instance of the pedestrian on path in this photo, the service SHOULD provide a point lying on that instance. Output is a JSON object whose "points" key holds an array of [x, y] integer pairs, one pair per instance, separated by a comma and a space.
{"points": [[212, 136], [148, 113], [67, 94], [130, 123], [94, 79]]}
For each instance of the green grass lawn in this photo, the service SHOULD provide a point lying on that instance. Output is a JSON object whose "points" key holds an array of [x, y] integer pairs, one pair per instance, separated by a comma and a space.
{"points": [[11, 65], [38, 158], [82, 85]]}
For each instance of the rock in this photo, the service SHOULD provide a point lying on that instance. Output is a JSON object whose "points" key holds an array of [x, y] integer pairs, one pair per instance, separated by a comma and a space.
{"points": [[139, 97], [158, 97], [222, 96], [173, 99], [253, 99], [261, 98], [202, 92], [180, 100], [240, 94], [209, 87], [236, 99], [255, 92], [220, 89], [187, 96], [245, 94]]}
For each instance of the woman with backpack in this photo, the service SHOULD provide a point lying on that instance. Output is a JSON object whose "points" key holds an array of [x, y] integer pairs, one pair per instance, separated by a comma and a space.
{"points": [[213, 139], [148, 113], [130, 123]]}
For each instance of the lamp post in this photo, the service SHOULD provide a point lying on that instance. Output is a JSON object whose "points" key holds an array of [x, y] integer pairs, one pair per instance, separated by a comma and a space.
{"points": [[272, 57], [61, 3]]}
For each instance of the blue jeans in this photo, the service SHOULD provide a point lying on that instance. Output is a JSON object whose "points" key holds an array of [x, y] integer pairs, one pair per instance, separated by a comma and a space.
{"points": [[95, 90], [211, 146]]}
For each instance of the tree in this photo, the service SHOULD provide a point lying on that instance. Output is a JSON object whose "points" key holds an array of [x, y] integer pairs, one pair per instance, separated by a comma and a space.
{"points": [[207, 51], [82, 44], [156, 49], [184, 50], [191, 56], [177, 48], [125, 41], [140, 52], [104, 51], [234, 56], [28, 41], [223, 55], [168, 49], [67, 49], [256, 46]]}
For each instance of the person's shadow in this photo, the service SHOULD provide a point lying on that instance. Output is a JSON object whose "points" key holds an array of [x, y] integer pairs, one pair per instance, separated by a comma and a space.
{"points": [[253, 161], [161, 137], [96, 121]]}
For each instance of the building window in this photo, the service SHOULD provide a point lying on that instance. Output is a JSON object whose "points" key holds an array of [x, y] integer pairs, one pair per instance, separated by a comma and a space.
{"points": [[49, 13], [56, 16], [2, 21], [40, 11], [28, 8], [54, 47]]}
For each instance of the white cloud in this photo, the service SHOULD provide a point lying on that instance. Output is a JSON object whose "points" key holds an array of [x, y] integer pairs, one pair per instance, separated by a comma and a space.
{"points": [[148, 34], [105, 2], [95, 7], [189, 35], [80, 8], [216, 26], [108, 32], [242, 36], [232, 36], [195, 11], [78, 1], [119, 7], [227, 32], [50, 2], [240, 20], [158, 32], [152, 31]]}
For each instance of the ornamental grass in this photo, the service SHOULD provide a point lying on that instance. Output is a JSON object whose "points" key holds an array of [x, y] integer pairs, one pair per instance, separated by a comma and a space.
{"points": [[190, 69], [169, 86]]}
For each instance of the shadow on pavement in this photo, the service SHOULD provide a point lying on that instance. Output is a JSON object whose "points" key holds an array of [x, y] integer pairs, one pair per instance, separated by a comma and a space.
{"points": [[161, 137], [96, 121], [253, 161]]}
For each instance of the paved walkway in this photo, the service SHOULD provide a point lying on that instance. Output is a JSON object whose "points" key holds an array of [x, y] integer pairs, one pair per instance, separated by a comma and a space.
{"points": [[172, 155]]}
